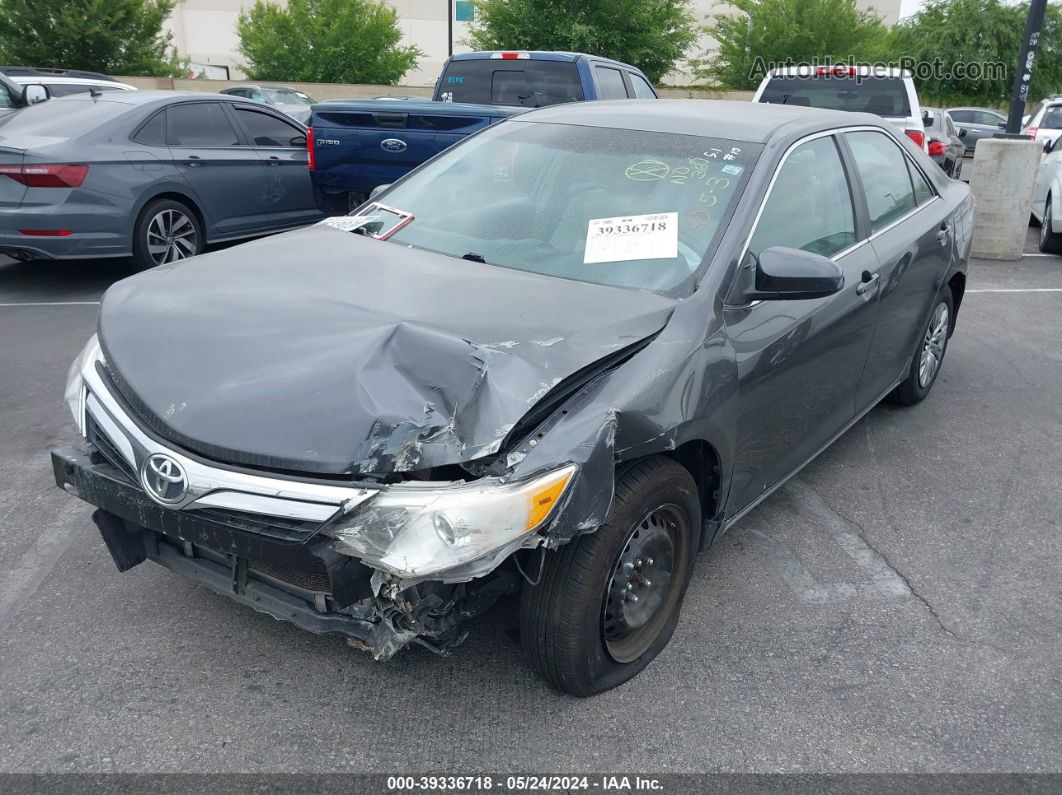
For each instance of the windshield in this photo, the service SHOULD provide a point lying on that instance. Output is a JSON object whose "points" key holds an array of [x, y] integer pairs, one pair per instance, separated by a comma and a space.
{"points": [[884, 96], [522, 83], [608, 206], [288, 96]]}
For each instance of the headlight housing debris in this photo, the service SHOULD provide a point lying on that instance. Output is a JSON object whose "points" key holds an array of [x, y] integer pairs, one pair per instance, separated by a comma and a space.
{"points": [[75, 392], [415, 531]]}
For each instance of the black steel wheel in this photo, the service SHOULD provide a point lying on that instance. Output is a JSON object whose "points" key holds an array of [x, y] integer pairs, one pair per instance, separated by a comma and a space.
{"points": [[608, 602]]}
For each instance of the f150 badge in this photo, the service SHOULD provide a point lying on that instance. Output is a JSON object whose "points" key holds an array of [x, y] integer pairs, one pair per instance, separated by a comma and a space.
{"points": [[393, 145]]}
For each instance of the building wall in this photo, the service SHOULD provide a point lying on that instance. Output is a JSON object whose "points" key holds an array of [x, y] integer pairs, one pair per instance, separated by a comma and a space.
{"points": [[204, 31]]}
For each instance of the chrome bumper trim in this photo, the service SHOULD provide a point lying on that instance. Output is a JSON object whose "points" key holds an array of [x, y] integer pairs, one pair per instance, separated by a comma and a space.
{"points": [[209, 486]]}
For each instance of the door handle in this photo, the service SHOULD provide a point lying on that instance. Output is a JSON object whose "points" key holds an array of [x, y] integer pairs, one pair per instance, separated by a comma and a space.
{"points": [[944, 234], [193, 160], [869, 282]]}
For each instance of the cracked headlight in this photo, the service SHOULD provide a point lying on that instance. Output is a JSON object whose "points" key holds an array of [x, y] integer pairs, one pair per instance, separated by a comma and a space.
{"points": [[75, 392], [414, 531]]}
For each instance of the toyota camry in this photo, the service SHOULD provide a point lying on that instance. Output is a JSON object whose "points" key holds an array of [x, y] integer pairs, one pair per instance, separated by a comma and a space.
{"points": [[559, 360]]}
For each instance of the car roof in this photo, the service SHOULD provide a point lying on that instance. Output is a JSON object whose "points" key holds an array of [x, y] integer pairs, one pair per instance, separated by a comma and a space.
{"points": [[974, 107], [538, 55], [740, 121], [837, 70], [59, 80], [152, 97]]}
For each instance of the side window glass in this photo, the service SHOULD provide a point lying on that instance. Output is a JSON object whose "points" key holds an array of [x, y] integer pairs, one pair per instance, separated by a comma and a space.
{"points": [[961, 116], [642, 90], [153, 132], [922, 191], [886, 180], [1052, 118], [610, 83], [266, 130], [200, 124], [257, 96], [810, 205]]}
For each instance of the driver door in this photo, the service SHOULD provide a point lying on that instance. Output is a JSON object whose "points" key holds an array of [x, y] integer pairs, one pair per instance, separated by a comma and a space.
{"points": [[799, 362]]}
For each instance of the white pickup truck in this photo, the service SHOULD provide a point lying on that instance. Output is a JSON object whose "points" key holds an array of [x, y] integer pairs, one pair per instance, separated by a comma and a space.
{"points": [[885, 92]]}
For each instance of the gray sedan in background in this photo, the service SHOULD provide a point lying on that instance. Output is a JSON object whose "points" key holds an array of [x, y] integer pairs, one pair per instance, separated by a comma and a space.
{"points": [[291, 101], [977, 123], [153, 175]]}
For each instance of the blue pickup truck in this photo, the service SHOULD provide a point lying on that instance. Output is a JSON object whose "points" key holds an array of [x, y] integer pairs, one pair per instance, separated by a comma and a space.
{"points": [[356, 145]]}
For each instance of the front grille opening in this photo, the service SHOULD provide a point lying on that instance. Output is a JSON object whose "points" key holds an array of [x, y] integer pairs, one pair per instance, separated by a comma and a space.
{"points": [[107, 450], [278, 527], [306, 579]]}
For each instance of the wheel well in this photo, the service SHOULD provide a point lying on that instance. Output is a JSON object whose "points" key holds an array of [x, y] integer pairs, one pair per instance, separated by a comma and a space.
{"points": [[702, 462], [957, 284], [179, 197]]}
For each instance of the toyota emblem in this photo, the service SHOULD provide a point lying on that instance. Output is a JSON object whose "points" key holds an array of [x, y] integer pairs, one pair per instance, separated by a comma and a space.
{"points": [[164, 479]]}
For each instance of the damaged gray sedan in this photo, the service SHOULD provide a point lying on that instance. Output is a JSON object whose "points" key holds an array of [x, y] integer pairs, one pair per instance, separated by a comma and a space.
{"points": [[559, 359]]}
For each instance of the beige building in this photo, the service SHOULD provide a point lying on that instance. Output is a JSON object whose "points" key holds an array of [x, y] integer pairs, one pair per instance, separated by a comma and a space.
{"points": [[204, 31]]}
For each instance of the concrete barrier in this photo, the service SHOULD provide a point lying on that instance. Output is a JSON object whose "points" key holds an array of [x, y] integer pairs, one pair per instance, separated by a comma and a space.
{"points": [[1002, 183], [322, 91]]}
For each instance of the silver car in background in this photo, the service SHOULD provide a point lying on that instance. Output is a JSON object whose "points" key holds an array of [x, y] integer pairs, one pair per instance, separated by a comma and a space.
{"points": [[156, 175], [291, 101]]}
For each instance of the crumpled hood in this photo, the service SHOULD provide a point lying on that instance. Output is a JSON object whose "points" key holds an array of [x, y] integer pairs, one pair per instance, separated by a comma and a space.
{"points": [[326, 352]]}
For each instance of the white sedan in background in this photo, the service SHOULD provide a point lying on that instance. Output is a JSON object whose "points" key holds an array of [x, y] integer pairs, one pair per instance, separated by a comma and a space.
{"points": [[1047, 199]]}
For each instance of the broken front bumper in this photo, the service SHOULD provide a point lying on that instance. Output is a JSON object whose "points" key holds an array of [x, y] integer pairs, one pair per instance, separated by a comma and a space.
{"points": [[302, 581]]}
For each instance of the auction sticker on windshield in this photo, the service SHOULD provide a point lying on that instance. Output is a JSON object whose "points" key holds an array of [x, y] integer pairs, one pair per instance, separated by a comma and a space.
{"points": [[632, 237]]}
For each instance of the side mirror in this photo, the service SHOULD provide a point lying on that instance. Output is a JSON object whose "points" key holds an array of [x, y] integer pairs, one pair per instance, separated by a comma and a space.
{"points": [[378, 190], [790, 274], [926, 118], [1049, 146], [34, 93], [297, 140], [1002, 125], [962, 132]]}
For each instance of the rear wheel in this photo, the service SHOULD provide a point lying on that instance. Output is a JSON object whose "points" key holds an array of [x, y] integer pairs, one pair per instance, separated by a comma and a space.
{"points": [[1050, 240], [608, 602], [929, 355], [166, 231]]}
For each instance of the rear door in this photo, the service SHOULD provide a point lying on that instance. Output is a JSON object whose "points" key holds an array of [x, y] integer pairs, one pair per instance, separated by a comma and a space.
{"points": [[799, 362], [227, 176], [610, 83], [912, 236], [281, 145]]}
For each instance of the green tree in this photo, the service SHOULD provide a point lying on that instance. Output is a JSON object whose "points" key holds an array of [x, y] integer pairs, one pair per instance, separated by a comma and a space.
{"points": [[325, 41], [122, 37], [650, 34], [753, 34], [948, 33]]}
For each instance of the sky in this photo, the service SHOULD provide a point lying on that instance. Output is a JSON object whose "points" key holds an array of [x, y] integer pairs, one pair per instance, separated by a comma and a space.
{"points": [[908, 7]]}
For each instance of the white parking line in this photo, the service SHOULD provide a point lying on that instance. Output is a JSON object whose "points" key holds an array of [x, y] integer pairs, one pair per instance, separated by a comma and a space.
{"points": [[1018, 290], [54, 303]]}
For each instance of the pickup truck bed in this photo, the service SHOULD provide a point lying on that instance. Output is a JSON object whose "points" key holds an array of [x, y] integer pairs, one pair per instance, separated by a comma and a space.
{"points": [[359, 144]]}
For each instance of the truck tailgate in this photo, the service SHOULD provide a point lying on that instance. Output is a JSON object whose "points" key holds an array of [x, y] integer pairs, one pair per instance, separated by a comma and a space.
{"points": [[361, 144]]}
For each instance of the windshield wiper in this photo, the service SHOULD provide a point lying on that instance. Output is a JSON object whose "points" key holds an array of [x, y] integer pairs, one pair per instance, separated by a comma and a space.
{"points": [[474, 257]]}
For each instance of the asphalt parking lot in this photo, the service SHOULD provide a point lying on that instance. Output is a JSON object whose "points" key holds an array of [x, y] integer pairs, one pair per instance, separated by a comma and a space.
{"points": [[898, 607]]}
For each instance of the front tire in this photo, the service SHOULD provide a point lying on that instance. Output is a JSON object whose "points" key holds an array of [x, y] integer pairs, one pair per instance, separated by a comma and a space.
{"points": [[607, 602], [166, 231], [1050, 240], [929, 355]]}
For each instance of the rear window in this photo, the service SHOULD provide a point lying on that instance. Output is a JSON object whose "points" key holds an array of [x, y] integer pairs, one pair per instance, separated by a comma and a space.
{"points": [[60, 117], [884, 96], [1052, 118], [531, 84]]}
